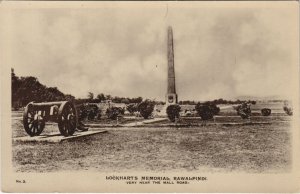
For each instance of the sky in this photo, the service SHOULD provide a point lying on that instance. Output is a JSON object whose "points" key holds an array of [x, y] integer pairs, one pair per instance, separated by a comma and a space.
{"points": [[121, 49]]}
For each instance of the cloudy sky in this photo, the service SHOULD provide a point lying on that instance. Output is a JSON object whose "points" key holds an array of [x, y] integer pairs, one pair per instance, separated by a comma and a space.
{"points": [[221, 51]]}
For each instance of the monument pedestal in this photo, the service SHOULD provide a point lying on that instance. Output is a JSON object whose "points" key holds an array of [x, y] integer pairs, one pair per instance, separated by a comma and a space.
{"points": [[171, 99]]}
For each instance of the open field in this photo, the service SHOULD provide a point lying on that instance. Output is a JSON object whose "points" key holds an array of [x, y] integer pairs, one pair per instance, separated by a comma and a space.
{"points": [[264, 148]]}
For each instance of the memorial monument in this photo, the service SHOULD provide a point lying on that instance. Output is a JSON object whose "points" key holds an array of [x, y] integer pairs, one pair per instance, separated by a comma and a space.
{"points": [[171, 96]]}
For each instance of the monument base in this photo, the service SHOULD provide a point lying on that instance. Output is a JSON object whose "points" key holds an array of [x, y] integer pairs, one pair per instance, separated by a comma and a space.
{"points": [[171, 98], [162, 111]]}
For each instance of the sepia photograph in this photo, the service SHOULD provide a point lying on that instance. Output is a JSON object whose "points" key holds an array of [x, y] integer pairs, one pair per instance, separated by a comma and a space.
{"points": [[157, 96]]}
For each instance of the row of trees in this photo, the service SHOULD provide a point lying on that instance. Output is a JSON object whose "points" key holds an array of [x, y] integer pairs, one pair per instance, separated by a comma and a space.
{"points": [[116, 99], [91, 98], [28, 89], [100, 98], [91, 111], [216, 102]]}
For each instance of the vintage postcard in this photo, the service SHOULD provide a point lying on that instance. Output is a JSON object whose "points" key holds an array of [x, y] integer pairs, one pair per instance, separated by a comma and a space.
{"points": [[150, 96]]}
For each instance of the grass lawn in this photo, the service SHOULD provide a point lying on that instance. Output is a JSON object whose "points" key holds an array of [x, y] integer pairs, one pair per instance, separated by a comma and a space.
{"points": [[213, 148], [121, 120], [194, 121]]}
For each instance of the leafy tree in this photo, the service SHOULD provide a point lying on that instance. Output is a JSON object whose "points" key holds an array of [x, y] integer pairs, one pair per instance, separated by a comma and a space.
{"points": [[108, 97], [90, 95], [15, 85], [28, 89], [70, 98], [146, 108], [101, 97], [173, 112], [136, 100]]}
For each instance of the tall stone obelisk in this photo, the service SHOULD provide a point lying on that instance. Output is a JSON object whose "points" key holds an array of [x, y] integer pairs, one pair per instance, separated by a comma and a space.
{"points": [[171, 96]]}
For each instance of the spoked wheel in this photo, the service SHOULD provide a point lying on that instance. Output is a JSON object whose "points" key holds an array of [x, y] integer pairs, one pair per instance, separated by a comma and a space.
{"points": [[33, 122], [67, 119]]}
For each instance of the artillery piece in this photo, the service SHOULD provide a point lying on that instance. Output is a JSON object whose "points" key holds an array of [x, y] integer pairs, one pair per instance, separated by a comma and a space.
{"points": [[37, 114]]}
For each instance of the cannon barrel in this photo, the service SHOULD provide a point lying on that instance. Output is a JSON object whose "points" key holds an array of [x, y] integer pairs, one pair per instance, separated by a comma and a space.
{"points": [[44, 104]]}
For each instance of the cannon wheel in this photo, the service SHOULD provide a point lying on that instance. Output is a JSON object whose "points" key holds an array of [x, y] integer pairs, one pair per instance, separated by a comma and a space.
{"points": [[67, 119], [34, 123]]}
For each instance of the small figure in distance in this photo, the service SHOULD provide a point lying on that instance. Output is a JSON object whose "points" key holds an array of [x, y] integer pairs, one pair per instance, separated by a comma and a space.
{"points": [[244, 110]]}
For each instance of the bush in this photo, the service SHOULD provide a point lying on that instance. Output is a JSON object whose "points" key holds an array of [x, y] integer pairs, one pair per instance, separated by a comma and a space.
{"points": [[122, 110], [88, 111], [93, 112], [206, 111], [266, 112], [288, 110], [113, 113], [173, 112], [99, 115], [215, 109], [132, 108], [82, 112], [146, 108], [253, 102], [244, 110]]}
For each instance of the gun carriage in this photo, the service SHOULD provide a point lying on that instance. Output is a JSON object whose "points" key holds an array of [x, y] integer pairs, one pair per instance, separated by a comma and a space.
{"points": [[37, 114]]}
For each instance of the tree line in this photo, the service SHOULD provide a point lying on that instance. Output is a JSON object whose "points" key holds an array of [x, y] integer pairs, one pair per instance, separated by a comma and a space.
{"points": [[216, 102], [29, 89], [116, 99]]}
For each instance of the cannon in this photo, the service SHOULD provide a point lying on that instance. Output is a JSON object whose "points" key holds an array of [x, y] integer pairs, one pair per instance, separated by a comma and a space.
{"points": [[37, 114]]}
